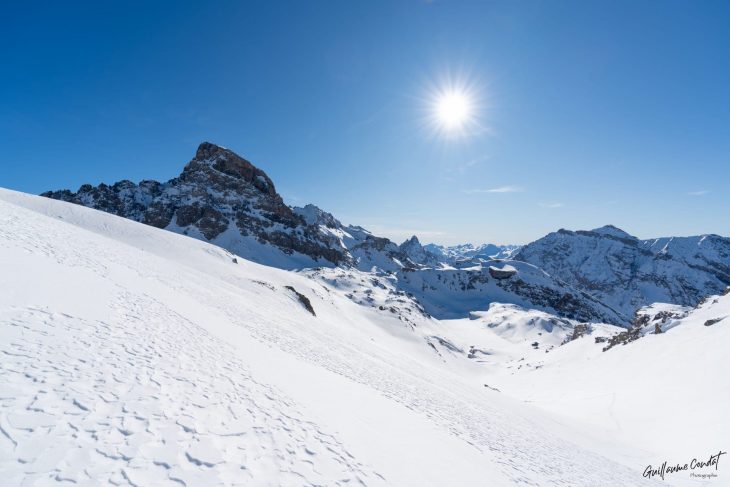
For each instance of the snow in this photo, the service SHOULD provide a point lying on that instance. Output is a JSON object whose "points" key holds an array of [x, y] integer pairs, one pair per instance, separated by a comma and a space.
{"points": [[136, 356], [665, 394]]}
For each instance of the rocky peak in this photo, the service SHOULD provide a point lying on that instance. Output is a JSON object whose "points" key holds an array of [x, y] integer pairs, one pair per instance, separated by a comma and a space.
{"points": [[411, 243], [229, 163], [413, 252]]}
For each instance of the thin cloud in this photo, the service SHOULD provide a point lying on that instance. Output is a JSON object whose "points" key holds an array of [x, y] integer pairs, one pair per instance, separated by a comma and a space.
{"points": [[701, 192], [551, 204], [500, 189]]}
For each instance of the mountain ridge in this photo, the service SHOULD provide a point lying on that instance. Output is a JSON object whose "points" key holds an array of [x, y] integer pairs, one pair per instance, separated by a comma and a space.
{"points": [[627, 273]]}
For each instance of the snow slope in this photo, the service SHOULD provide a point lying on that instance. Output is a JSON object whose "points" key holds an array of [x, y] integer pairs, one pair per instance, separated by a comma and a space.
{"points": [[666, 394], [137, 356]]}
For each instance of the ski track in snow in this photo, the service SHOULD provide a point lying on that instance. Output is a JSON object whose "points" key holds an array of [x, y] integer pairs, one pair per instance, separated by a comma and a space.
{"points": [[113, 400]]}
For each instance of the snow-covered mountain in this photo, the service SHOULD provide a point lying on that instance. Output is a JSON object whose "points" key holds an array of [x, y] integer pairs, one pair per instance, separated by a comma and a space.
{"points": [[221, 198], [135, 356], [627, 273], [469, 252]]}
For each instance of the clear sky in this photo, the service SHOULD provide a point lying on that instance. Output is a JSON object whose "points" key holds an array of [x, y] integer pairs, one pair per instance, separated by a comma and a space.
{"points": [[583, 112]]}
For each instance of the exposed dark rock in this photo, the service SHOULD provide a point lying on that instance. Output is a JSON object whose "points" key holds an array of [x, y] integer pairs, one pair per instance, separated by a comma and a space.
{"points": [[578, 331], [646, 316], [713, 321], [302, 299], [624, 337], [158, 214], [504, 273]]}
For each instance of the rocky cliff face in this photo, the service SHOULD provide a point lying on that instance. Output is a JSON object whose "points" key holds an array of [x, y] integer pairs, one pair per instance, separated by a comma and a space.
{"points": [[627, 273], [222, 198]]}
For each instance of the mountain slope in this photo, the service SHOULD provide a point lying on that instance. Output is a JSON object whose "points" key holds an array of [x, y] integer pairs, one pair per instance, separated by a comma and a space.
{"points": [[627, 273], [173, 360]]}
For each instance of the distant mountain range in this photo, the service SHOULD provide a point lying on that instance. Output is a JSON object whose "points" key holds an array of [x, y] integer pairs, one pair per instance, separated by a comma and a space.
{"points": [[460, 253], [599, 275]]}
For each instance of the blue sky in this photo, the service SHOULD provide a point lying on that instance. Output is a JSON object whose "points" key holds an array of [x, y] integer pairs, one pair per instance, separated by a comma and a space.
{"points": [[591, 112]]}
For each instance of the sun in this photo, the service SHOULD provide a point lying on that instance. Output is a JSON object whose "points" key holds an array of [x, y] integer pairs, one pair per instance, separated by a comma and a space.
{"points": [[453, 110], [454, 105]]}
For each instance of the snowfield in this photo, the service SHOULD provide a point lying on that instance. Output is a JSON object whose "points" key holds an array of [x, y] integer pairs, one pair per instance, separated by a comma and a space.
{"points": [[131, 355]]}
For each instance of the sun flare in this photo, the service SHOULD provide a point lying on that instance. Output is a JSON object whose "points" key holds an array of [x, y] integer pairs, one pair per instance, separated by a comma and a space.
{"points": [[453, 110]]}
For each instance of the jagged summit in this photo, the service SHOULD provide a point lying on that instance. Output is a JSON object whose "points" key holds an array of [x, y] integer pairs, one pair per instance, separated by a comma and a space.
{"points": [[209, 150], [413, 241], [228, 162]]}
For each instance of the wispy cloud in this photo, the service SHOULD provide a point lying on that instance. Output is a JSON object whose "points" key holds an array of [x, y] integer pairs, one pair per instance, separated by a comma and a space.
{"points": [[701, 192], [551, 204], [500, 189]]}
